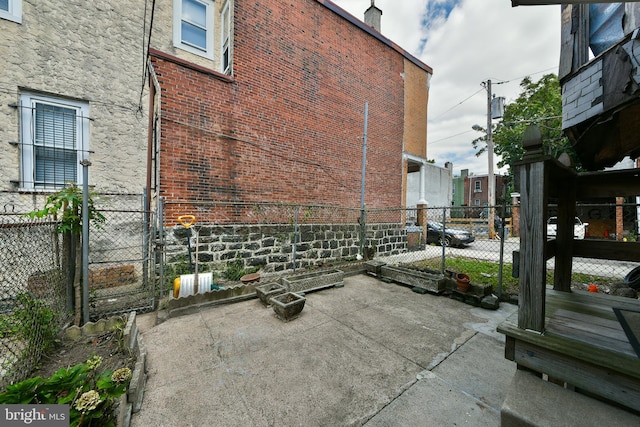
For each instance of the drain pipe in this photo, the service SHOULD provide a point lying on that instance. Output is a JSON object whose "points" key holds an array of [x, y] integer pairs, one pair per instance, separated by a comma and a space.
{"points": [[362, 219]]}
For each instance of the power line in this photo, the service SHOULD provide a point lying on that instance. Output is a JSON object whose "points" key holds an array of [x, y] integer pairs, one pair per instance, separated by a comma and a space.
{"points": [[458, 104], [502, 82], [449, 137]]}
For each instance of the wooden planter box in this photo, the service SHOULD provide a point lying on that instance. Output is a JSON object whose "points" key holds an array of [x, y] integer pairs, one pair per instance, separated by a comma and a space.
{"points": [[314, 281], [269, 290], [287, 306], [430, 282]]}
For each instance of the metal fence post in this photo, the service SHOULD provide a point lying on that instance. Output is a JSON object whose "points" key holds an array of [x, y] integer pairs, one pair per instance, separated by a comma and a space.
{"points": [[85, 240], [295, 236], [443, 238], [146, 228], [160, 243]]}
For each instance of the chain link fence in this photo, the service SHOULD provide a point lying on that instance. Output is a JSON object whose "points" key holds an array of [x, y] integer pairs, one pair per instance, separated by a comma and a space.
{"points": [[136, 254], [34, 301], [121, 265], [38, 263], [458, 239], [278, 238]]}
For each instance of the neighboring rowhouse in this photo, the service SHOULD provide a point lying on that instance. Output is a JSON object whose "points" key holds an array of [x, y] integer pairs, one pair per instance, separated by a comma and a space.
{"points": [[264, 102], [72, 87]]}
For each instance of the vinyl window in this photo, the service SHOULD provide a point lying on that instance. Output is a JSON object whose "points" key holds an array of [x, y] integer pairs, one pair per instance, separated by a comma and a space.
{"points": [[54, 139], [225, 55], [193, 26], [11, 10]]}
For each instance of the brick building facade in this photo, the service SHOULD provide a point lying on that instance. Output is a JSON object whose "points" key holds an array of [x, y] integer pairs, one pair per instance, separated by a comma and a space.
{"points": [[283, 121]]}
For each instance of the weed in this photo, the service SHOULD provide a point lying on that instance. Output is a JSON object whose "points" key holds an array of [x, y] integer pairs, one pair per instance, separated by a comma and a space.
{"points": [[235, 269], [487, 272], [34, 322]]}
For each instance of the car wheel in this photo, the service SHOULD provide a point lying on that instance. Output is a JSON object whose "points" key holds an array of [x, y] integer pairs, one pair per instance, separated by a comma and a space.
{"points": [[633, 279], [444, 242]]}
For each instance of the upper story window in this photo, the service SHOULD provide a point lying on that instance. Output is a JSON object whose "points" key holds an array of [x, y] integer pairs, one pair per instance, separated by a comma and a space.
{"points": [[55, 138], [11, 10], [477, 186], [225, 37], [193, 26]]}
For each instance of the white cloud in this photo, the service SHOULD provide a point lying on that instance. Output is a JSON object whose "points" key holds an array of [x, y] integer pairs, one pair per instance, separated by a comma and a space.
{"points": [[480, 40]]}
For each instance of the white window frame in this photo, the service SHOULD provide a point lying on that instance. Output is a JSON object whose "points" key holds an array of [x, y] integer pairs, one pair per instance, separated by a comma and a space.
{"points": [[225, 37], [477, 186], [14, 13], [28, 102], [177, 29]]}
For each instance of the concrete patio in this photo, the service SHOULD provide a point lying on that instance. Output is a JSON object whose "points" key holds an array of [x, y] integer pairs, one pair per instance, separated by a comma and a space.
{"points": [[370, 353]]}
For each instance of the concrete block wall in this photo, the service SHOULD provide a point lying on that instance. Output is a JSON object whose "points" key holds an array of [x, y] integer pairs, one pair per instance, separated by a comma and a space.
{"points": [[288, 126], [271, 247], [582, 95]]}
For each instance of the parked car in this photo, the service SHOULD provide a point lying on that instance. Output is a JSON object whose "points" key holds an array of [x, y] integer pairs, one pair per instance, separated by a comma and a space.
{"points": [[579, 227], [451, 237]]}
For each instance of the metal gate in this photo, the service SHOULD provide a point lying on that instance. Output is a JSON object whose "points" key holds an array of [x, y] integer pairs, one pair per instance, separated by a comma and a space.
{"points": [[122, 275]]}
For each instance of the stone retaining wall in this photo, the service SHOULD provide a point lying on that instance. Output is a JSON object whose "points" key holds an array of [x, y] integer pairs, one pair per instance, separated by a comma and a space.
{"points": [[270, 247]]}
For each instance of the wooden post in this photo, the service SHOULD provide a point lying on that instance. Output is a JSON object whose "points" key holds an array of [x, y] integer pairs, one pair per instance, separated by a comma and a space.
{"points": [[533, 205], [564, 233]]}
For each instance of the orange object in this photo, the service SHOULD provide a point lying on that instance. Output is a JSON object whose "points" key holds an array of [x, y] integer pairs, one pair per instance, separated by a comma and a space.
{"points": [[593, 288], [176, 287]]}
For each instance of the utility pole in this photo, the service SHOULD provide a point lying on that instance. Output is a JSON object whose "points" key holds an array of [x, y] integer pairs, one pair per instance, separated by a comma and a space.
{"points": [[491, 181]]}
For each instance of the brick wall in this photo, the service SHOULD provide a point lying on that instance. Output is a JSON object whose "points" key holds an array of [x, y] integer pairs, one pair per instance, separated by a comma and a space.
{"points": [[293, 111]]}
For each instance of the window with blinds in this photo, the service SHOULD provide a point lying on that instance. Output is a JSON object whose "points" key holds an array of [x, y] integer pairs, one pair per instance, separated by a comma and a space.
{"points": [[54, 140]]}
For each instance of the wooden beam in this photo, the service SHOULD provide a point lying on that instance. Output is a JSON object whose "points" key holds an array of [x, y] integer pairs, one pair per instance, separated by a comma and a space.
{"points": [[608, 184], [607, 249]]}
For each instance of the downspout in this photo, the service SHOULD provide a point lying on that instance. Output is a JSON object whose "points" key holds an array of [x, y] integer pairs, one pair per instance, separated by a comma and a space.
{"points": [[153, 151], [150, 132]]}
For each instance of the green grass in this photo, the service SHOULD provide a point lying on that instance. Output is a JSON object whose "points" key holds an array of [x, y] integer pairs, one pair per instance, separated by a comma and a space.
{"points": [[487, 272]]}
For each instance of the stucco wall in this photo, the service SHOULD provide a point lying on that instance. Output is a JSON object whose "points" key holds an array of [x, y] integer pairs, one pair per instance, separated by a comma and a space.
{"points": [[90, 51], [438, 186]]}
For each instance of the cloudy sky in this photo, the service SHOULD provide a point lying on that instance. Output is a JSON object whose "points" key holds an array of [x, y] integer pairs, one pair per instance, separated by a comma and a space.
{"points": [[468, 42]]}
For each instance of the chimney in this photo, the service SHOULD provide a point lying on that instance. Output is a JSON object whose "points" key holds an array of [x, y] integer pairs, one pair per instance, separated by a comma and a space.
{"points": [[372, 16]]}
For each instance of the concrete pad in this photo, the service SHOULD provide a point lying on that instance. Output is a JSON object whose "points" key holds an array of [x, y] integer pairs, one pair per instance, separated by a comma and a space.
{"points": [[329, 376], [466, 388], [480, 369], [530, 401], [146, 321], [434, 402], [193, 400], [178, 349], [354, 352]]}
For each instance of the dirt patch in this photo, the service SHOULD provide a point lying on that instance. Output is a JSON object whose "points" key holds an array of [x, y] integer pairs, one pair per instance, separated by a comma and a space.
{"points": [[68, 353]]}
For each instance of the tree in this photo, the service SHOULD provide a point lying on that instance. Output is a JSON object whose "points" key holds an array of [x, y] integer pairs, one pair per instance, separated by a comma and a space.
{"points": [[65, 206], [539, 103]]}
